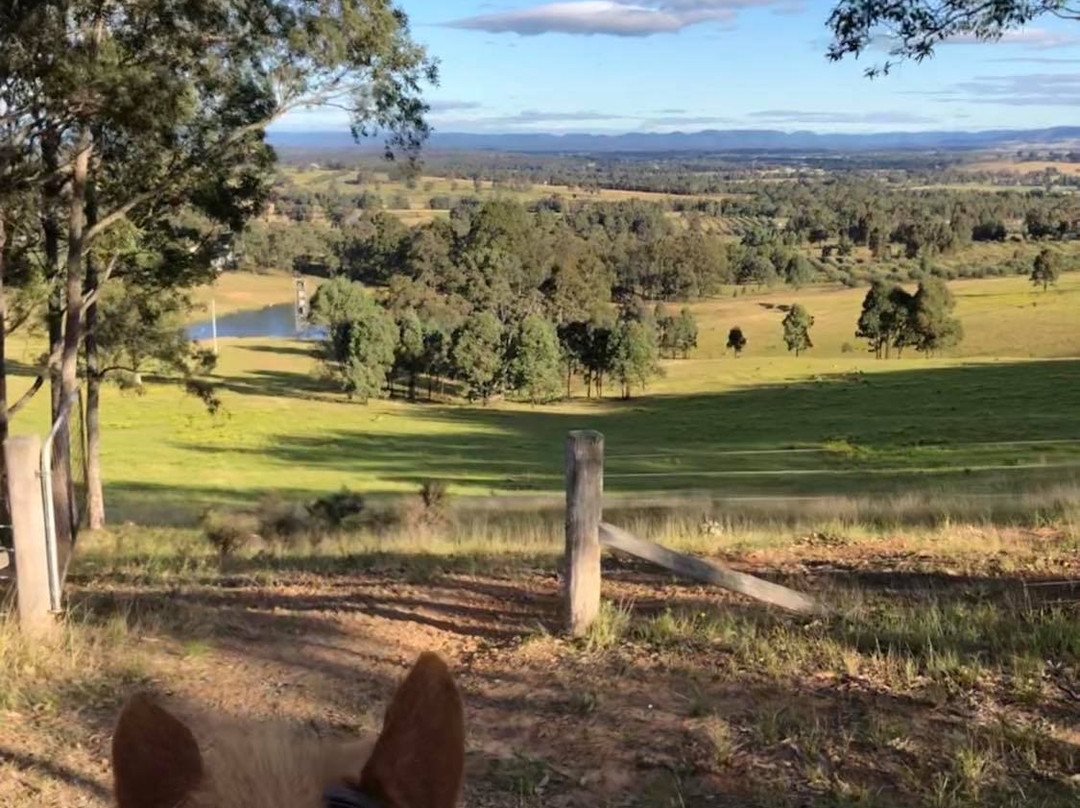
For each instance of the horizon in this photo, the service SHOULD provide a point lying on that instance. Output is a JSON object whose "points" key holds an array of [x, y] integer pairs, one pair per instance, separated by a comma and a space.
{"points": [[701, 131]]}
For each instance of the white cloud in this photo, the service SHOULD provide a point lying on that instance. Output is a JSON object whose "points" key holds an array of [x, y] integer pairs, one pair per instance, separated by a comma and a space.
{"points": [[533, 119], [450, 106], [685, 120], [820, 117], [1035, 38], [625, 18]]}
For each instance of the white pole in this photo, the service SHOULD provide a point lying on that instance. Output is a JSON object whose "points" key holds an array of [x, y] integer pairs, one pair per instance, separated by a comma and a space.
{"points": [[213, 322]]}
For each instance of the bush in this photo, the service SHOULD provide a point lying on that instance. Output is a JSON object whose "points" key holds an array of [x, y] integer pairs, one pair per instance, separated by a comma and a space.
{"points": [[336, 510], [282, 521], [431, 508], [847, 347], [228, 531]]}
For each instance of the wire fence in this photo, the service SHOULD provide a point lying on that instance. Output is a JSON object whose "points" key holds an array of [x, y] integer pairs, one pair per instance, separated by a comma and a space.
{"points": [[63, 491]]}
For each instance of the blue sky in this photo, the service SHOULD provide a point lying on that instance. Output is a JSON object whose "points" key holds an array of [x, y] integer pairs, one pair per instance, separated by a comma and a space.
{"points": [[665, 65]]}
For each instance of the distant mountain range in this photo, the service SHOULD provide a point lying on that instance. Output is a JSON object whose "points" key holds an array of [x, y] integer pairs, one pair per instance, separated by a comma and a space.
{"points": [[711, 140]]}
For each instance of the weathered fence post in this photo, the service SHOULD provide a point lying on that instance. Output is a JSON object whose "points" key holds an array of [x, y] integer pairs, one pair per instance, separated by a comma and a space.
{"points": [[22, 457], [584, 504]]}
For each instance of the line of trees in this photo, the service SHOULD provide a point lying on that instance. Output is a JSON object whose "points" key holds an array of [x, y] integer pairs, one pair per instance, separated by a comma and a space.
{"points": [[372, 347]]}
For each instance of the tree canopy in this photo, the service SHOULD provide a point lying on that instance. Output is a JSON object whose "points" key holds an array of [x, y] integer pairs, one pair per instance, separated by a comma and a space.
{"points": [[912, 29]]}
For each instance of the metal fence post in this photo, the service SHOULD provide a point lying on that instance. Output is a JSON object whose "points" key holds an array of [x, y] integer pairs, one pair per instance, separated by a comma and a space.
{"points": [[22, 456], [584, 504]]}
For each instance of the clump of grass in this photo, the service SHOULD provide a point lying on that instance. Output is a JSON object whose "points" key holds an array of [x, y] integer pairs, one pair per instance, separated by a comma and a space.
{"points": [[229, 531], [610, 627], [430, 510], [288, 523], [972, 768], [721, 740], [79, 660]]}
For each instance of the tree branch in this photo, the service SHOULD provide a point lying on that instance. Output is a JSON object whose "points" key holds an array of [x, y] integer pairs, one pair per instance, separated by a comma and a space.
{"points": [[25, 398]]}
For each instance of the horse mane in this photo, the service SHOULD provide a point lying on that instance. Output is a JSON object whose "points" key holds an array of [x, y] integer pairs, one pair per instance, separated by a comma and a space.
{"points": [[274, 767]]}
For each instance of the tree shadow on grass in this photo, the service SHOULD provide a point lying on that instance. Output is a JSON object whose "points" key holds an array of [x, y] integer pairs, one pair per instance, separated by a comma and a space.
{"points": [[874, 432], [307, 349], [27, 762]]}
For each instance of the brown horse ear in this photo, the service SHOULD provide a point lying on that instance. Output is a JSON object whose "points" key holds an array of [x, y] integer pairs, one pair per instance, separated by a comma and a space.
{"points": [[156, 760], [419, 758]]}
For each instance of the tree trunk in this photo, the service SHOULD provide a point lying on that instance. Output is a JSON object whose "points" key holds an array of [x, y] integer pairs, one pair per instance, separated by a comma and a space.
{"points": [[50, 227], [3, 370], [95, 495], [69, 360]]}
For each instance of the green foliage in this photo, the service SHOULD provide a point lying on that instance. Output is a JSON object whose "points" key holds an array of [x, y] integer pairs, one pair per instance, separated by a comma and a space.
{"points": [[335, 511], [676, 335], [892, 318], [360, 348], [635, 355], [372, 250], [228, 531], [411, 353], [934, 326], [736, 341], [1042, 223], [756, 268], [337, 301], [686, 333], [915, 28], [797, 324], [798, 271], [535, 368], [884, 320], [477, 354], [1046, 269]]}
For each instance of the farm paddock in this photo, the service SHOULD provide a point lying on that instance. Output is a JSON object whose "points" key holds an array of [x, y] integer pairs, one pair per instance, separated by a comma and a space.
{"points": [[946, 676]]}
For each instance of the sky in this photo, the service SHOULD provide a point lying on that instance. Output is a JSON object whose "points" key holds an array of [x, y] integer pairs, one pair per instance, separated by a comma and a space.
{"points": [[608, 66]]}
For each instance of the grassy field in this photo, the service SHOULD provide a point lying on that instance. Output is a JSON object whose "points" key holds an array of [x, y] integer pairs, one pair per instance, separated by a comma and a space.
{"points": [[994, 421]]}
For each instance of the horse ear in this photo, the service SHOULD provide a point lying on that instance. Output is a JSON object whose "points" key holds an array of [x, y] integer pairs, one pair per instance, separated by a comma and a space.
{"points": [[419, 759], [156, 760]]}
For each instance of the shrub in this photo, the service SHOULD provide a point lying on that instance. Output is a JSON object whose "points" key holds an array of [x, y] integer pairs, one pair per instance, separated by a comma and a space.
{"points": [[228, 531], [431, 508], [283, 521], [335, 510], [847, 347]]}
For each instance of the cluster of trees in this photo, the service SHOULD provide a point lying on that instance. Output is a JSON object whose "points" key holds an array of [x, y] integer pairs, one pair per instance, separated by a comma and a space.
{"points": [[373, 346], [132, 145], [893, 319]]}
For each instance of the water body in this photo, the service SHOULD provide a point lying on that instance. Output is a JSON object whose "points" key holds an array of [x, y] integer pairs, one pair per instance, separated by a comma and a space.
{"points": [[273, 321]]}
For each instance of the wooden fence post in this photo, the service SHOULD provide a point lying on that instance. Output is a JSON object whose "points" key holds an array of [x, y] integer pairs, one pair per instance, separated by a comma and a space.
{"points": [[22, 458], [584, 504]]}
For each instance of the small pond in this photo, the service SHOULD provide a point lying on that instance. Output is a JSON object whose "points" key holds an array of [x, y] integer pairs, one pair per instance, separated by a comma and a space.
{"points": [[273, 321]]}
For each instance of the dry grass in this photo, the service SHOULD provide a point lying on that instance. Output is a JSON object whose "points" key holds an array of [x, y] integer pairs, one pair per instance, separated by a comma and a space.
{"points": [[1024, 167]]}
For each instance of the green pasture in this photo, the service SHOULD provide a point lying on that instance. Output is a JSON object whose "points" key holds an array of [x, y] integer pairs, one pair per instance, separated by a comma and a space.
{"points": [[1001, 416]]}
